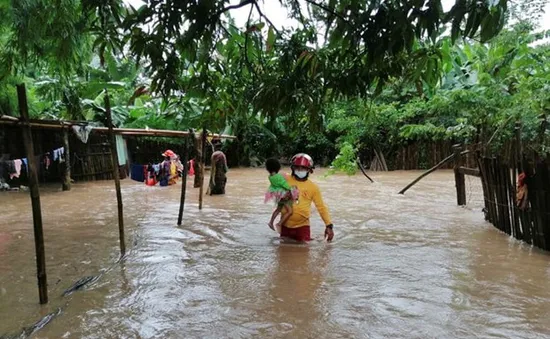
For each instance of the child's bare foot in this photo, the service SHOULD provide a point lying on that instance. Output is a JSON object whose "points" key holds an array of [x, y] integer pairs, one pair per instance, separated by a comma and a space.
{"points": [[270, 224]]}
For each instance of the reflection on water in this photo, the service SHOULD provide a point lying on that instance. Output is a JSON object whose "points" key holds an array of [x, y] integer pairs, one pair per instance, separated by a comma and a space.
{"points": [[413, 266]]}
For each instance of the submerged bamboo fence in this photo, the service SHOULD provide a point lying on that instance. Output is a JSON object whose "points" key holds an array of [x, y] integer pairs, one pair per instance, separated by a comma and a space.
{"points": [[529, 222], [419, 155]]}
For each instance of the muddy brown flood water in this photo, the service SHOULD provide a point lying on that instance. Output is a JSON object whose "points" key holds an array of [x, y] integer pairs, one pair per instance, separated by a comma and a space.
{"points": [[413, 266]]}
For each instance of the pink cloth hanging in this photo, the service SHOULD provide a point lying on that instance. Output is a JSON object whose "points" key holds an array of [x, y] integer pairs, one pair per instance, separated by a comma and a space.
{"points": [[17, 164]]}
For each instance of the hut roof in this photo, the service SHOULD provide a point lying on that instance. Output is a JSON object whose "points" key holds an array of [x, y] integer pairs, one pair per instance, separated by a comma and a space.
{"points": [[60, 124]]}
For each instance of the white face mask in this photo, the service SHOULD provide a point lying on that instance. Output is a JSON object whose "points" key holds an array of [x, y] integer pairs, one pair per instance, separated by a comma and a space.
{"points": [[301, 174]]}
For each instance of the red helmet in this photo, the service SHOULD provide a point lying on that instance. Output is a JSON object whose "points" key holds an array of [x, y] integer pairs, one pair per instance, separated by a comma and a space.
{"points": [[302, 159]]}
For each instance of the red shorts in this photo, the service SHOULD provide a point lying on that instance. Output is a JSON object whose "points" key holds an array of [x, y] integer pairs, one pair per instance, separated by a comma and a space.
{"points": [[299, 233]]}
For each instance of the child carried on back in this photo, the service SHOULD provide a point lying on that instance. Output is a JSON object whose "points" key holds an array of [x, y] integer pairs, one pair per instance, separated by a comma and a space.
{"points": [[281, 192]]}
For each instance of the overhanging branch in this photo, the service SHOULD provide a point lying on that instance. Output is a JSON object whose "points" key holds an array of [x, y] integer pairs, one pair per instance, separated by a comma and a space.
{"points": [[327, 9], [228, 8], [266, 18]]}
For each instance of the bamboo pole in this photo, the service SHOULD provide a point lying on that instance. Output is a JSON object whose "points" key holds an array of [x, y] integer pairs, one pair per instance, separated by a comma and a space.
{"points": [[35, 197], [10, 118], [202, 160], [66, 185], [538, 205], [496, 194], [513, 190], [491, 189], [116, 174], [484, 180], [501, 204], [184, 179], [488, 172], [502, 169], [197, 163], [383, 161], [512, 208], [545, 181], [519, 147], [441, 163]]}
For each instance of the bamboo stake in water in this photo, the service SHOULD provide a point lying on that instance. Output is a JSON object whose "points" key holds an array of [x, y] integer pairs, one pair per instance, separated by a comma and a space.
{"points": [[183, 180], [116, 174], [35, 197], [67, 172], [202, 160]]}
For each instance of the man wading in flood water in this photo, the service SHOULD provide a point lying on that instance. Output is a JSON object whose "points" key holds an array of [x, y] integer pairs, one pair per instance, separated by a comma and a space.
{"points": [[298, 225]]}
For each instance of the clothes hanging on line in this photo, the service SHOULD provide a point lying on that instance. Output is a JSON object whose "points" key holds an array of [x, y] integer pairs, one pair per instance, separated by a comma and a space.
{"points": [[156, 169], [12, 168], [59, 154], [82, 132], [47, 161], [17, 169], [121, 150]]}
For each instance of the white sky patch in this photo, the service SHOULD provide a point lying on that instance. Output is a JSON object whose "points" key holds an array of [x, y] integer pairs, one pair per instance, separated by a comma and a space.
{"points": [[279, 15]]}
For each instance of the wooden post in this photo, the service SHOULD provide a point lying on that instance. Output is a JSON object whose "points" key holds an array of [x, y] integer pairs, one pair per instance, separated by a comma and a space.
{"points": [[116, 174], [67, 172], [459, 177], [202, 160], [197, 156], [184, 179], [35, 197]]}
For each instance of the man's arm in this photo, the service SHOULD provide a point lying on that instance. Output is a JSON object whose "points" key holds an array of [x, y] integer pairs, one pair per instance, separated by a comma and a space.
{"points": [[325, 215], [321, 207]]}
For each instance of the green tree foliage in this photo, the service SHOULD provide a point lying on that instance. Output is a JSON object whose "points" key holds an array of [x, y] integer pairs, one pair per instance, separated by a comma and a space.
{"points": [[354, 76], [483, 89]]}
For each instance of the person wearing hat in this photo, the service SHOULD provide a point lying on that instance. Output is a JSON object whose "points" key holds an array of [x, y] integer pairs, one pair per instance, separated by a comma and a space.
{"points": [[169, 171], [297, 226]]}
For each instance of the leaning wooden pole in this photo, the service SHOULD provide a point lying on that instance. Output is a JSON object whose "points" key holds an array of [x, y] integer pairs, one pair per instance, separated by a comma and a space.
{"points": [[67, 172], [35, 197], [443, 162], [202, 165], [116, 173], [184, 179], [363, 169]]}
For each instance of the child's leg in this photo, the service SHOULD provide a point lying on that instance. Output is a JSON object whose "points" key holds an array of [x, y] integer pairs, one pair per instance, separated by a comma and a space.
{"points": [[286, 214], [273, 217]]}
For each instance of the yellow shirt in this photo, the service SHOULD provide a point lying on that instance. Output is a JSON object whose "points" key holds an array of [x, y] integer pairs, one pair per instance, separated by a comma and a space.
{"points": [[309, 192]]}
